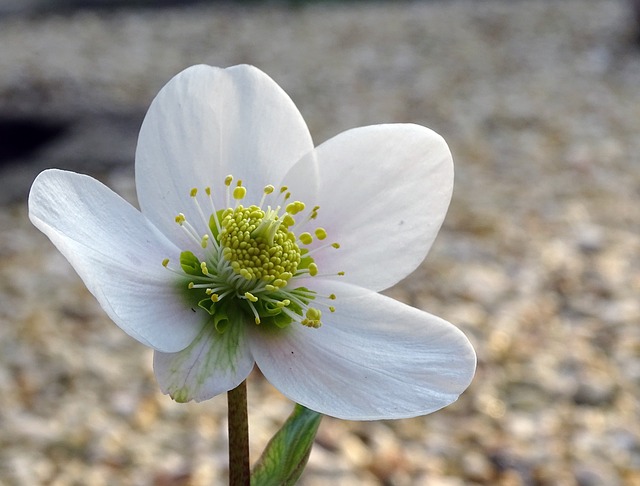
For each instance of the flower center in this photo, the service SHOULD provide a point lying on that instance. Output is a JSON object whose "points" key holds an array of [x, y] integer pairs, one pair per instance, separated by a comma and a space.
{"points": [[259, 245], [250, 260]]}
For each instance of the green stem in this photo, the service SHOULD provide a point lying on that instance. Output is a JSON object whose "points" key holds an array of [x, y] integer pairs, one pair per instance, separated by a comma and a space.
{"points": [[239, 472]]}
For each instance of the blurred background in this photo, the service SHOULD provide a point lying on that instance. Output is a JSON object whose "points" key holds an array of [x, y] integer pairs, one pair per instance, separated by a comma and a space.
{"points": [[537, 261]]}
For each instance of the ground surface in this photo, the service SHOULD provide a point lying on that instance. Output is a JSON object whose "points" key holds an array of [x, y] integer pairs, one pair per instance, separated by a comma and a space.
{"points": [[537, 262]]}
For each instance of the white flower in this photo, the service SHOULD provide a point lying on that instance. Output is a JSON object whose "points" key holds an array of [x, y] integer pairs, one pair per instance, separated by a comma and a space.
{"points": [[253, 247]]}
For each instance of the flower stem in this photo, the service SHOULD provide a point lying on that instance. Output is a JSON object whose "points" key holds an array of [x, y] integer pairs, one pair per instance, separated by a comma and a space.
{"points": [[239, 474]]}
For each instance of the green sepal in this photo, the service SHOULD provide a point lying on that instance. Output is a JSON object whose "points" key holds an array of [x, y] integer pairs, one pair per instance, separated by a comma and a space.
{"points": [[208, 305], [287, 453], [280, 320], [190, 263]]}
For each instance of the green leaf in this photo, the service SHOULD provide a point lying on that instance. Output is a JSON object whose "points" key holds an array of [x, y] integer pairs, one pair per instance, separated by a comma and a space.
{"points": [[287, 453]]}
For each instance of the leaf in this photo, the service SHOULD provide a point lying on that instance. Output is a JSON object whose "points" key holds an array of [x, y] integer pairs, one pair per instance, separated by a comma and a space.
{"points": [[287, 453]]}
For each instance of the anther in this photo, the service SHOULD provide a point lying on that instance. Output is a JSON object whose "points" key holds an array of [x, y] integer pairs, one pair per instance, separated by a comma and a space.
{"points": [[250, 297], [203, 267], [165, 262], [295, 207], [228, 180], [288, 221], [305, 238], [239, 192], [312, 318], [313, 269], [321, 233], [193, 192]]}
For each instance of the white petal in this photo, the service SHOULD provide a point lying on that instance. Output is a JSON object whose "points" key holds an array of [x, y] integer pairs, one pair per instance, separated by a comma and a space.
{"points": [[213, 364], [383, 192], [207, 123], [375, 358], [118, 254]]}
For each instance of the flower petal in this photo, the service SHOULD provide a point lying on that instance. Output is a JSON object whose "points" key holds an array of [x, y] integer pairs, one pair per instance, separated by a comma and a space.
{"points": [[213, 364], [118, 254], [207, 123], [383, 192], [374, 358]]}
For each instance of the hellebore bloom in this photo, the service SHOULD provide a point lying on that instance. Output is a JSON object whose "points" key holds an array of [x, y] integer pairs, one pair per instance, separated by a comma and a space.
{"points": [[252, 247]]}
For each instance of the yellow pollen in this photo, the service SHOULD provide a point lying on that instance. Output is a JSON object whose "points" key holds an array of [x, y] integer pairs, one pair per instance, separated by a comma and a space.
{"points": [[332, 296], [249, 296], [321, 233], [258, 246], [194, 191], [214, 297], [335, 245], [305, 238], [203, 267], [180, 218], [295, 207], [205, 240], [239, 192], [288, 220], [332, 309], [312, 318], [165, 262], [228, 180], [341, 274], [269, 189], [207, 190], [313, 269]]}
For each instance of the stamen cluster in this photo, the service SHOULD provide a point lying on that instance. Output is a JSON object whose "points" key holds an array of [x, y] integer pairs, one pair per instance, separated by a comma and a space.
{"points": [[259, 246], [252, 258]]}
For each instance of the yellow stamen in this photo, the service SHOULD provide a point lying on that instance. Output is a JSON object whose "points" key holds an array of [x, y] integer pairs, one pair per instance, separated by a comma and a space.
{"points": [[249, 296], [239, 192], [305, 238]]}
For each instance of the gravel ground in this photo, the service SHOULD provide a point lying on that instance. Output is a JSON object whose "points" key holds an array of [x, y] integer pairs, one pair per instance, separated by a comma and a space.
{"points": [[537, 261]]}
